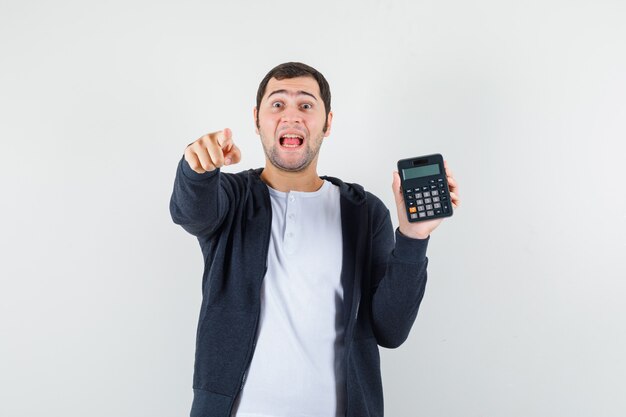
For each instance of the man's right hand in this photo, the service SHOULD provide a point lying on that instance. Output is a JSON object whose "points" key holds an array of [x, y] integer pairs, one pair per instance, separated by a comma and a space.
{"points": [[211, 151]]}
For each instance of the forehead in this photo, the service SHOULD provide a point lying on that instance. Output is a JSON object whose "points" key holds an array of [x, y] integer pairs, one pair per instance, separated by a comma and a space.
{"points": [[293, 85]]}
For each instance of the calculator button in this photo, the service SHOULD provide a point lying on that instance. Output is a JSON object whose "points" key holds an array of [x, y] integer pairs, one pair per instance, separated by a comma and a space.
{"points": [[440, 185], [437, 211], [419, 202], [414, 215], [418, 195], [412, 210], [411, 203], [435, 199], [425, 188], [410, 196], [430, 213], [417, 190], [435, 192], [429, 206], [432, 181], [422, 214], [420, 208], [444, 198], [428, 200], [408, 190], [427, 194], [437, 205], [446, 208], [432, 187], [440, 180]]}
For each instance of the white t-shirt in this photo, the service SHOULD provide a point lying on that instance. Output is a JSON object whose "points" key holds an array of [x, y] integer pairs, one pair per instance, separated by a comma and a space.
{"points": [[297, 369]]}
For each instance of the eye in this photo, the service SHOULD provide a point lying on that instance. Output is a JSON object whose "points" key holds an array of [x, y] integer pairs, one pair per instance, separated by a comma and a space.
{"points": [[307, 106], [277, 104]]}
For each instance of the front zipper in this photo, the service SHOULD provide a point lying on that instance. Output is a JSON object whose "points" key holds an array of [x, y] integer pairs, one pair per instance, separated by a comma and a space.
{"points": [[349, 339], [256, 329], [256, 321], [356, 295]]}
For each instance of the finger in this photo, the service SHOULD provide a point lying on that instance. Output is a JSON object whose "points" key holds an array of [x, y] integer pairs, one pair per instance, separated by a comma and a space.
{"points": [[446, 166], [224, 138], [233, 156], [203, 157], [456, 201], [215, 152], [452, 183], [194, 162], [399, 197], [397, 192]]}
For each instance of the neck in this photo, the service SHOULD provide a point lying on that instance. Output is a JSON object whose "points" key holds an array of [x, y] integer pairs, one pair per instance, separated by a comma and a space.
{"points": [[306, 180]]}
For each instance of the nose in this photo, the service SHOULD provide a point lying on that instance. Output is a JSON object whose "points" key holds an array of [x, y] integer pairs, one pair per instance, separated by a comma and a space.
{"points": [[291, 115]]}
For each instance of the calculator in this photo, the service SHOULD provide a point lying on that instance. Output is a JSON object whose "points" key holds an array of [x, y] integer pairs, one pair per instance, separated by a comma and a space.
{"points": [[425, 188]]}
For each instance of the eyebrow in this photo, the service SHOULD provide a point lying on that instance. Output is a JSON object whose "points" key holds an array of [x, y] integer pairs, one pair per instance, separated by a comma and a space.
{"points": [[299, 92]]}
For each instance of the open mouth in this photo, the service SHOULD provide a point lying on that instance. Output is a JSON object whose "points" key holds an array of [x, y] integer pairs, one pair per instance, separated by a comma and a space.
{"points": [[291, 140]]}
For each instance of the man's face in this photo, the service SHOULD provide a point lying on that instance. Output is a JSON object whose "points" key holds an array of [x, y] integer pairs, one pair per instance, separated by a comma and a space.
{"points": [[291, 122]]}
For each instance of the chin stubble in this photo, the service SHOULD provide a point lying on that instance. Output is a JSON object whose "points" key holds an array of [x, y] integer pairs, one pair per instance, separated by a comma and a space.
{"points": [[302, 164]]}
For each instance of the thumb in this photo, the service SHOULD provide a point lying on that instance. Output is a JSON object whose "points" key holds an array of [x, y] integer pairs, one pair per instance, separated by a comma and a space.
{"points": [[233, 155], [397, 192]]}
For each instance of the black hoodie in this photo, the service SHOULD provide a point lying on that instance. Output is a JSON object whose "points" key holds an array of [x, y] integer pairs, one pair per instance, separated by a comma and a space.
{"points": [[231, 215]]}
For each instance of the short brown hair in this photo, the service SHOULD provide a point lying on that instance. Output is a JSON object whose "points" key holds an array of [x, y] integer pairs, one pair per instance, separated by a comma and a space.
{"points": [[293, 70]]}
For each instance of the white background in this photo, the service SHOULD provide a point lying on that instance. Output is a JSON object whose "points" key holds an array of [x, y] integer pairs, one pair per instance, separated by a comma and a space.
{"points": [[524, 313]]}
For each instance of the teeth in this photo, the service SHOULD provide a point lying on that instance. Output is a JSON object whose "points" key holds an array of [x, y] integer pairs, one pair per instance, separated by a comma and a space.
{"points": [[289, 135]]}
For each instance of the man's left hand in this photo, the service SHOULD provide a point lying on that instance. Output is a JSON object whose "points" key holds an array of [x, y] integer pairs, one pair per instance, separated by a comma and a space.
{"points": [[421, 230]]}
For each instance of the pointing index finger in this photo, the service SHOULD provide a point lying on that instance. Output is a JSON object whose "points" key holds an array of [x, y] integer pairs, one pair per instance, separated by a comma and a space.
{"points": [[224, 138]]}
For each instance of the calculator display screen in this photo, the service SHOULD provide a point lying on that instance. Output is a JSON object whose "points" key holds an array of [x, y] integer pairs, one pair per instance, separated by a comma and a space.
{"points": [[419, 172]]}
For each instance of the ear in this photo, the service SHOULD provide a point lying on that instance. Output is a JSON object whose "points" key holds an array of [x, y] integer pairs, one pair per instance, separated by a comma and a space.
{"points": [[330, 120], [254, 115]]}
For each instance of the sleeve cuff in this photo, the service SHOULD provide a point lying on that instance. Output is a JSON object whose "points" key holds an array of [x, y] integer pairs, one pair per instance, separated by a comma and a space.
{"points": [[193, 175], [410, 250]]}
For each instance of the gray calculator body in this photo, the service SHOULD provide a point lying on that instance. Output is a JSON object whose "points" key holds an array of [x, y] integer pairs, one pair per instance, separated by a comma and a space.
{"points": [[425, 188]]}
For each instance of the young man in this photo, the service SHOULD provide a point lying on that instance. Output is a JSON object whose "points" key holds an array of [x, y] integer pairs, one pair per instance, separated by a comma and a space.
{"points": [[303, 280]]}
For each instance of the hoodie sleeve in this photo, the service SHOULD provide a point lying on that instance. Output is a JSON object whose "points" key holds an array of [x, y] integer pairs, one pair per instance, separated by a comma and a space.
{"points": [[199, 202], [398, 281]]}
